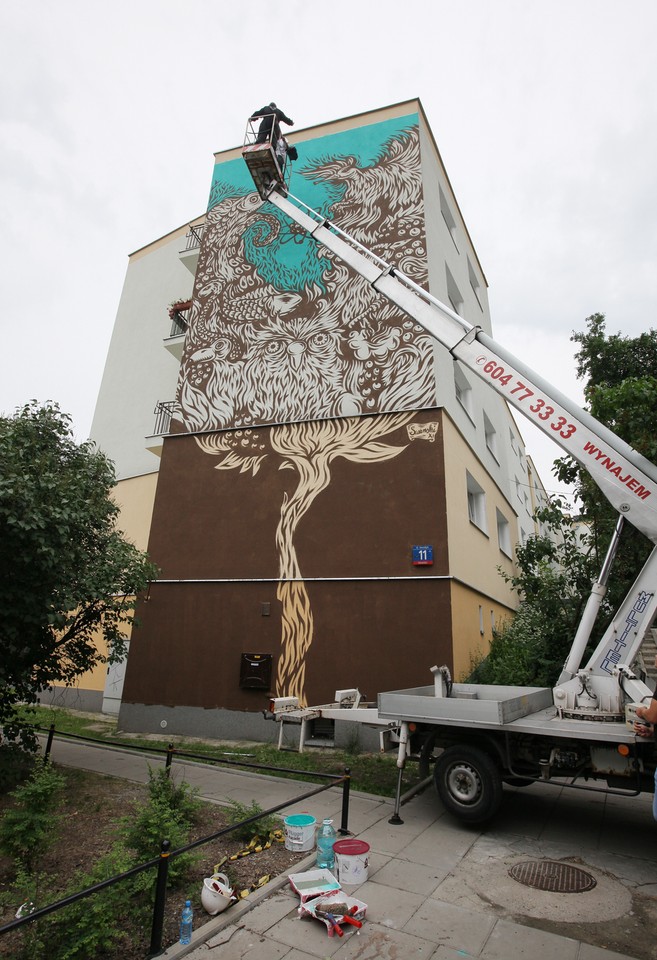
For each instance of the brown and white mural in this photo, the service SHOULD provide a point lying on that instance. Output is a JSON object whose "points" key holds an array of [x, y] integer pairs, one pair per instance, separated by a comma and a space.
{"points": [[309, 450], [282, 331], [301, 386]]}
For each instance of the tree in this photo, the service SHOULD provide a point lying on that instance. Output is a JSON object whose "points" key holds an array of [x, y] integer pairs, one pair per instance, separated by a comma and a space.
{"points": [[621, 392], [555, 572], [308, 449], [67, 574]]}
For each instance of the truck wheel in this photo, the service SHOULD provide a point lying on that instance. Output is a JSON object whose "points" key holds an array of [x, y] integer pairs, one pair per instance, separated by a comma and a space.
{"points": [[469, 783]]}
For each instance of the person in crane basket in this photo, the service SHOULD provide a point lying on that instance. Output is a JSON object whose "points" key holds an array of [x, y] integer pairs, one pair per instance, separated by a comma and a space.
{"points": [[270, 125]]}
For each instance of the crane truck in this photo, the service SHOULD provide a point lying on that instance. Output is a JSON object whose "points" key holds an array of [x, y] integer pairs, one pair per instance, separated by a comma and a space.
{"points": [[481, 736]]}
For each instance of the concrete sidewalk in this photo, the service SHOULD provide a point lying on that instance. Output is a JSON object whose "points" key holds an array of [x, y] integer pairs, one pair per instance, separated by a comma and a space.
{"points": [[437, 889]]}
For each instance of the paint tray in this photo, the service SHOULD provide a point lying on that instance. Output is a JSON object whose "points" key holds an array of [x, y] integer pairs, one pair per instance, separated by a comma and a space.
{"points": [[313, 883], [323, 903]]}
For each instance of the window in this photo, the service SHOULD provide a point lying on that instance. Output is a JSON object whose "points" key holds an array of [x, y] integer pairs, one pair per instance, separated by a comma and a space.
{"points": [[476, 503], [518, 490], [491, 437], [474, 283], [453, 293], [463, 389], [481, 620], [447, 217], [512, 438], [503, 533]]}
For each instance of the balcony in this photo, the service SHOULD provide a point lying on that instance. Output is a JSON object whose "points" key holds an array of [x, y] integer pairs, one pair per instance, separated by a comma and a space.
{"points": [[165, 412], [178, 315], [189, 255]]}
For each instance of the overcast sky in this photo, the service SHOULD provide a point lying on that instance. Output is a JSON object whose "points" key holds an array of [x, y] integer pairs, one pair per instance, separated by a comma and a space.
{"points": [[544, 113]]}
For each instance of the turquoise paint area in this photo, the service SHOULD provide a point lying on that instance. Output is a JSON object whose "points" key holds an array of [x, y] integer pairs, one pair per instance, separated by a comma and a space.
{"points": [[291, 262]]}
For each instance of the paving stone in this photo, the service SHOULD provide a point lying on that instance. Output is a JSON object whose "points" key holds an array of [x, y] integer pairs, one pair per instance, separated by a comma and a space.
{"points": [[386, 839], [246, 945], [446, 953], [295, 954], [307, 935], [376, 863], [451, 926], [414, 877], [380, 943], [387, 906], [511, 940], [270, 912], [442, 848], [588, 952]]}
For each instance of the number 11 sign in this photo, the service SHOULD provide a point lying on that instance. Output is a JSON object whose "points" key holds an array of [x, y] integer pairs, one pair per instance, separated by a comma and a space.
{"points": [[422, 556]]}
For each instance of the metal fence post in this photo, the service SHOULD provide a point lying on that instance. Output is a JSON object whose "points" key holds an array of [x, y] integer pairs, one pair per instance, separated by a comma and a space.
{"points": [[51, 734], [160, 899], [344, 828]]}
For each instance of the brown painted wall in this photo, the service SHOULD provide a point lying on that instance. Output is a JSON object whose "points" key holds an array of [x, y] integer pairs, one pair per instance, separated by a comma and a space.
{"points": [[374, 635], [213, 524]]}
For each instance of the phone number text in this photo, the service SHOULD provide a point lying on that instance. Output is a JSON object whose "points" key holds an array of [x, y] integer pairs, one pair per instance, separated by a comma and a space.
{"points": [[521, 392]]}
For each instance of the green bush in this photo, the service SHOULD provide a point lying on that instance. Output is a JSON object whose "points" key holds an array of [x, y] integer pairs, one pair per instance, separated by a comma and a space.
{"points": [[96, 924], [88, 928], [259, 828], [167, 815], [30, 826], [180, 798]]}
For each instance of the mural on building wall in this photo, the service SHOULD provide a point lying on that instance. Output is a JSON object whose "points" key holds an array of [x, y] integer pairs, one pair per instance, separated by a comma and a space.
{"points": [[281, 333], [309, 449]]}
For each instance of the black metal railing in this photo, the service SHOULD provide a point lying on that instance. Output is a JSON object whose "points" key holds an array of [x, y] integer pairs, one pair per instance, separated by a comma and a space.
{"points": [[178, 324], [164, 412], [166, 854], [194, 237]]}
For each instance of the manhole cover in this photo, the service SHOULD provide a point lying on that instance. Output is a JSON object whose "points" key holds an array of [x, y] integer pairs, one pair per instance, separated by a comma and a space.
{"points": [[552, 876]]}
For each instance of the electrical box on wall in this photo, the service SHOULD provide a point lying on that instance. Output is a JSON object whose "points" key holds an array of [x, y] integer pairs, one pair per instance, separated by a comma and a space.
{"points": [[255, 671]]}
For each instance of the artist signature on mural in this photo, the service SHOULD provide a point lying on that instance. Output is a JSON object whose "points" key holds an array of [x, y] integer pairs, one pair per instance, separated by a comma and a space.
{"points": [[422, 431]]}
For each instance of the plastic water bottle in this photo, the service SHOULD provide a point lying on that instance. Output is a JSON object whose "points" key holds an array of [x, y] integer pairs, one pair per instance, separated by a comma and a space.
{"points": [[325, 841], [186, 923]]}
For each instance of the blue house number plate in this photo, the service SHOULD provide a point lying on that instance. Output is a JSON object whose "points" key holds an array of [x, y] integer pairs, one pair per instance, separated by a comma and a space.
{"points": [[422, 556]]}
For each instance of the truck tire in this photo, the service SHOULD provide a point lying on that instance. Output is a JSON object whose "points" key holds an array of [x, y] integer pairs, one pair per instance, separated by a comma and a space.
{"points": [[469, 783]]}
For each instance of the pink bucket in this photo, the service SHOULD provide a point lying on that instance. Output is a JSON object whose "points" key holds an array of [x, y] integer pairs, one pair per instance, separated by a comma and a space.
{"points": [[352, 859]]}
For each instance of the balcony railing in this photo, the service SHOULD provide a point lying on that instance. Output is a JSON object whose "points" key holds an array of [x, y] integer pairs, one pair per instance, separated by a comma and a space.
{"points": [[164, 412], [178, 324], [194, 237]]}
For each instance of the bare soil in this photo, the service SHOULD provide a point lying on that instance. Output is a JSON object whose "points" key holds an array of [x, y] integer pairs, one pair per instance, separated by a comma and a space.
{"points": [[87, 829]]}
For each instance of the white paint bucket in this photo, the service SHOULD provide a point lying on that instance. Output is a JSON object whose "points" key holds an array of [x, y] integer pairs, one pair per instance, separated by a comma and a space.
{"points": [[300, 832], [352, 859]]}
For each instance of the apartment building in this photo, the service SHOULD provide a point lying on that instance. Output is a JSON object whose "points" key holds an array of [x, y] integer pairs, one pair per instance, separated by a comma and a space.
{"points": [[328, 495]]}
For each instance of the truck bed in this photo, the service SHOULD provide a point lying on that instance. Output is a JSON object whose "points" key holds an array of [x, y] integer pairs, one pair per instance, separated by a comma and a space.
{"points": [[517, 709]]}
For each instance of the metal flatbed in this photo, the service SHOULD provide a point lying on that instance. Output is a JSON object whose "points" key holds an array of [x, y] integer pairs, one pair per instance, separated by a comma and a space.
{"points": [[524, 710]]}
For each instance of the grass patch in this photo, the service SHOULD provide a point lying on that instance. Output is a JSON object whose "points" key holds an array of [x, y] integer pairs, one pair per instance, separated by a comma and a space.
{"points": [[370, 772]]}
